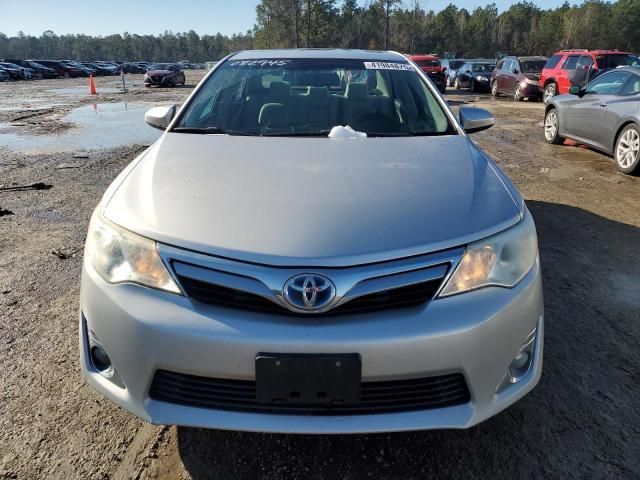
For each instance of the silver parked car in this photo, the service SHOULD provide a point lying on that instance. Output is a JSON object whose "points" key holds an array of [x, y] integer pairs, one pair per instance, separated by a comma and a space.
{"points": [[604, 115], [313, 245]]}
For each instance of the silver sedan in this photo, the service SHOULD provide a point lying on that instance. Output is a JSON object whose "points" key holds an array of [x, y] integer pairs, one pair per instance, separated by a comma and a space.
{"points": [[605, 114], [314, 245]]}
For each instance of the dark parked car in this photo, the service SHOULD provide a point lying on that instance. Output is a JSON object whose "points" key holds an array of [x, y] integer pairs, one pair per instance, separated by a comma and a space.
{"points": [[164, 75], [131, 67], [44, 72], [451, 66], [16, 72], [4, 76], [518, 77], [475, 75], [62, 69], [604, 115]]}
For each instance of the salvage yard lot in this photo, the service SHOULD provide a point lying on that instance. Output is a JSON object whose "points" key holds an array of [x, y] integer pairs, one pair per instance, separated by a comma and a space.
{"points": [[582, 421]]}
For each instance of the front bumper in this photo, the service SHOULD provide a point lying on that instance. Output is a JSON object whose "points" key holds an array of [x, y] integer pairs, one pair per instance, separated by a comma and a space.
{"points": [[476, 334], [159, 81], [529, 90]]}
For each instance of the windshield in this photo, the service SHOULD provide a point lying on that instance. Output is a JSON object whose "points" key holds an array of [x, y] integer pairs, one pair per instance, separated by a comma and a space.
{"points": [[532, 66], [161, 66], [613, 61], [428, 63], [455, 64], [483, 67], [311, 96]]}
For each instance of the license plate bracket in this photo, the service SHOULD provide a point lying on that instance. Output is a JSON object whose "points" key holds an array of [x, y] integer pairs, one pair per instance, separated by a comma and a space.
{"points": [[308, 379]]}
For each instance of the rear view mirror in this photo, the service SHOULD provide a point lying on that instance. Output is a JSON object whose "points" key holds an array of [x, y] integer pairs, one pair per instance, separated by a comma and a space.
{"points": [[160, 117], [475, 119]]}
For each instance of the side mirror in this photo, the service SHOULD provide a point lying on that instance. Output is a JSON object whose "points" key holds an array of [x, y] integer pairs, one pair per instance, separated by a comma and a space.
{"points": [[160, 117], [576, 90], [475, 119], [516, 71]]}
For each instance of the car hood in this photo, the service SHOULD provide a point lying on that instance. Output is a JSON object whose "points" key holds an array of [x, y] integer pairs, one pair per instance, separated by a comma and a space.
{"points": [[159, 72], [313, 201]]}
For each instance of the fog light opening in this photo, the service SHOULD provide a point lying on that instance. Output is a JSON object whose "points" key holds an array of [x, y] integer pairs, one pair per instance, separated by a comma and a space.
{"points": [[99, 358], [521, 363]]}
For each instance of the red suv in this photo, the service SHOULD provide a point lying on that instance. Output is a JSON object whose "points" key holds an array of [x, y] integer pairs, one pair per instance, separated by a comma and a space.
{"points": [[430, 65], [578, 66]]}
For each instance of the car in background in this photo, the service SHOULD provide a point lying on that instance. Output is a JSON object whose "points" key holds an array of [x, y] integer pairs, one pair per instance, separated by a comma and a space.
{"points": [[132, 67], [4, 76], [475, 74], [604, 114], [62, 69], [16, 72], [164, 75], [451, 66], [108, 68], [518, 77], [578, 66], [431, 66], [40, 70], [86, 71]]}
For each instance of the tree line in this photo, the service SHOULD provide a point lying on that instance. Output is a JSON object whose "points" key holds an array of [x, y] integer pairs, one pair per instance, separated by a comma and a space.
{"points": [[405, 26]]}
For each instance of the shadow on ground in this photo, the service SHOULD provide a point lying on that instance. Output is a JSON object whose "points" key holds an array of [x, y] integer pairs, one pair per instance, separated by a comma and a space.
{"points": [[579, 422]]}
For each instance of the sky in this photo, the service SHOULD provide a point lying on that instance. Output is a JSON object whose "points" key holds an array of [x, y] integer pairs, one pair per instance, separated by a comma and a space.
{"points": [[104, 17]]}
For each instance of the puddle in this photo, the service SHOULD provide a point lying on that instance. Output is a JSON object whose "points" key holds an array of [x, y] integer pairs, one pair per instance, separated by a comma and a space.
{"points": [[102, 125], [83, 90]]}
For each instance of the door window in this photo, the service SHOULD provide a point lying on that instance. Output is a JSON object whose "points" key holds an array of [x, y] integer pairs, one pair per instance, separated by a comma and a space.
{"points": [[553, 61], [570, 63], [585, 61], [608, 84], [632, 87]]}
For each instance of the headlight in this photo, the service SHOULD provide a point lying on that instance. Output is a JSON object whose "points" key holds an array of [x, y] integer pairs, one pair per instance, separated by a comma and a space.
{"points": [[502, 260], [528, 81], [481, 78], [120, 256]]}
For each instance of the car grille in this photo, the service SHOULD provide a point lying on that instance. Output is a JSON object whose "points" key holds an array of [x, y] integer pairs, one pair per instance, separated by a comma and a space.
{"points": [[406, 296], [375, 397]]}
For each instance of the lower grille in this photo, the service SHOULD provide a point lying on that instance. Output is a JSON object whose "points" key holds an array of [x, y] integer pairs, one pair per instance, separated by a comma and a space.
{"points": [[375, 397], [228, 297]]}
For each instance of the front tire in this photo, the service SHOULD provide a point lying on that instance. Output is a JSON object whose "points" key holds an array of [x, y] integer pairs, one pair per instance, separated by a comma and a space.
{"points": [[494, 89], [627, 150], [552, 127], [472, 86], [456, 84], [517, 94], [550, 91]]}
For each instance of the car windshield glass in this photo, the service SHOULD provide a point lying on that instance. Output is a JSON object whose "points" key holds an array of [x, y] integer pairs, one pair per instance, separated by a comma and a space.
{"points": [[613, 61], [483, 67], [161, 66], [532, 66], [428, 63], [455, 64], [311, 96]]}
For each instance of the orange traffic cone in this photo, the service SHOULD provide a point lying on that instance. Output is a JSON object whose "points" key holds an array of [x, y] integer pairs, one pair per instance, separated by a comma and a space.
{"points": [[92, 85]]}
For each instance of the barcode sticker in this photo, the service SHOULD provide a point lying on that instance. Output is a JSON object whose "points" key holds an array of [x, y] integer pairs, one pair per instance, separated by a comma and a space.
{"points": [[387, 66]]}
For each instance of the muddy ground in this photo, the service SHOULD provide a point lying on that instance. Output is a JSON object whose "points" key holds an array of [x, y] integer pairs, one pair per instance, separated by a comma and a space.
{"points": [[582, 421]]}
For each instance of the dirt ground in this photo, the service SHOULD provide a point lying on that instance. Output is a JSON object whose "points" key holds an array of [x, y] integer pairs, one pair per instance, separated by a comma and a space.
{"points": [[581, 422]]}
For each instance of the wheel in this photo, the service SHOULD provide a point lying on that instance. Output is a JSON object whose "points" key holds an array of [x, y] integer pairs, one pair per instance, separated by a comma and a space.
{"points": [[448, 81], [472, 86], [517, 94], [627, 151], [456, 84], [549, 92], [551, 127], [494, 89]]}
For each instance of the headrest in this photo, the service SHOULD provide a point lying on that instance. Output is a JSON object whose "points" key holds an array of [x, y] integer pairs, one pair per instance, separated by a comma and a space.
{"points": [[254, 84], [279, 89], [372, 81], [356, 91], [273, 115], [318, 94]]}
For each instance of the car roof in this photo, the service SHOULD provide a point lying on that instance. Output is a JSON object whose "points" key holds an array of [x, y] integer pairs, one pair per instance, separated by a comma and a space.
{"points": [[423, 57], [526, 57], [324, 53], [596, 51]]}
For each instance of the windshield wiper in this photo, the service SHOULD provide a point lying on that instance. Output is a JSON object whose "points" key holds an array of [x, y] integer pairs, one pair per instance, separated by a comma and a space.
{"points": [[209, 130]]}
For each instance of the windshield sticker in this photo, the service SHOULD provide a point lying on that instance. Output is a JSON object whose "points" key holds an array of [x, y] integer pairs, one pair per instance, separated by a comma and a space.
{"points": [[387, 66], [271, 62]]}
